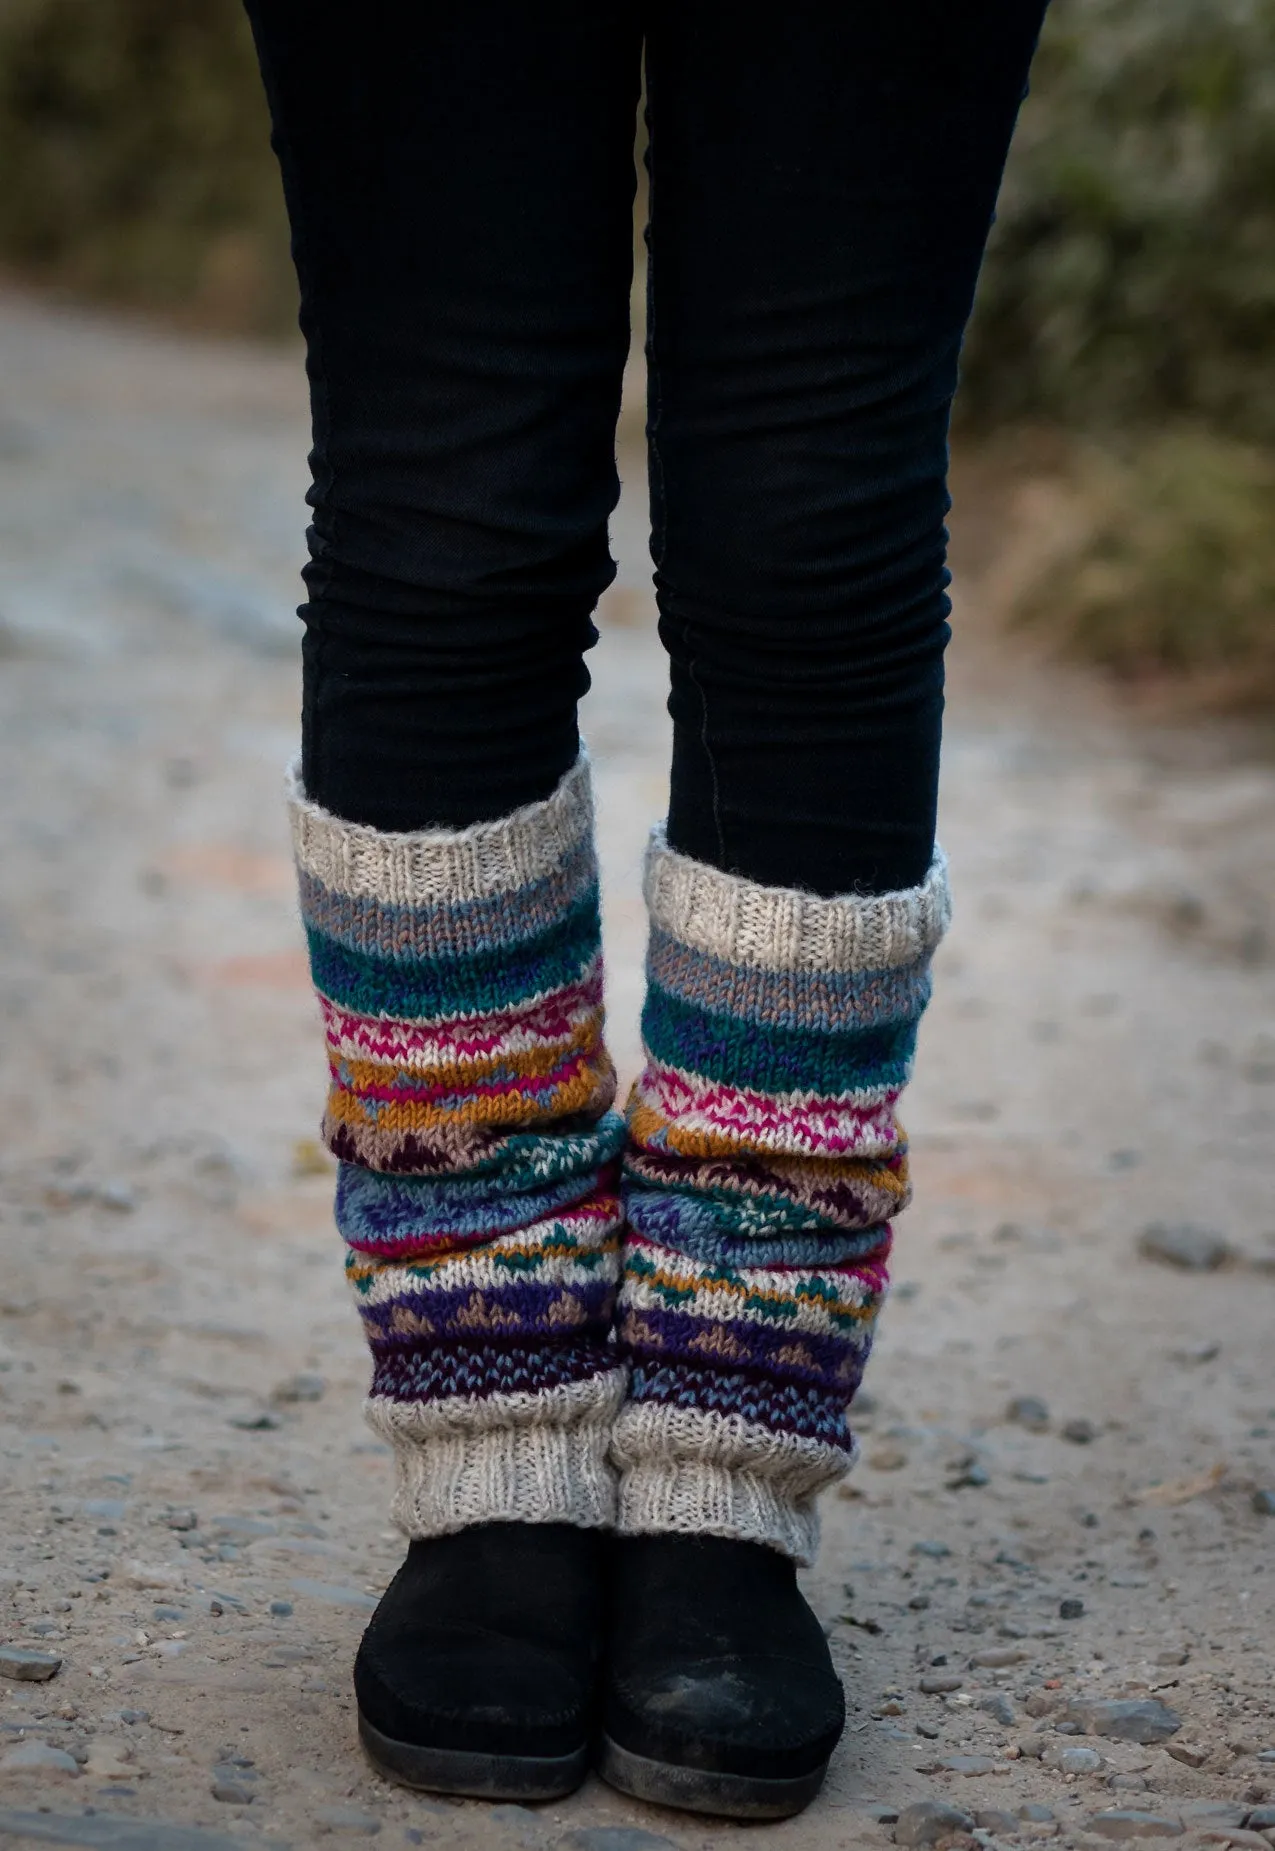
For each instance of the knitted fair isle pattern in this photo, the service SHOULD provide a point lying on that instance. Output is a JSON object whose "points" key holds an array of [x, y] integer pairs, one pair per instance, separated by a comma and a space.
{"points": [[764, 1163], [460, 978]]}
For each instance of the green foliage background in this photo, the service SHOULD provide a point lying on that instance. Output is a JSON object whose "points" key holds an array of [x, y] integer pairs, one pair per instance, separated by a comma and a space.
{"points": [[1128, 296]]}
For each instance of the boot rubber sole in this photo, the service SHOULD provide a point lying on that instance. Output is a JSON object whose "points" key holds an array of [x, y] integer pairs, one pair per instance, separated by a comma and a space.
{"points": [[470, 1775], [693, 1789]]}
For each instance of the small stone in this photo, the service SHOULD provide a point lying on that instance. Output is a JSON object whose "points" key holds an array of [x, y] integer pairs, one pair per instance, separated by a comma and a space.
{"points": [[939, 1683], [1028, 1411], [155, 1574], [992, 1819], [879, 1812], [1036, 1814], [347, 1819], [1068, 1760], [281, 1655], [998, 1706], [970, 1765], [887, 1459], [1127, 1783], [999, 1657], [109, 1762], [1079, 1432], [182, 1520], [929, 1820], [1264, 1503], [1145, 1719], [1176, 1656], [1213, 1812], [1071, 1609], [303, 1387], [936, 1551], [259, 1420], [1234, 1835], [1032, 1747], [233, 1792], [1121, 1824], [1261, 1819], [615, 1838], [28, 1667], [38, 1757], [918, 1603], [281, 1609], [1190, 1754], [1041, 1703], [1182, 1243], [973, 1475]]}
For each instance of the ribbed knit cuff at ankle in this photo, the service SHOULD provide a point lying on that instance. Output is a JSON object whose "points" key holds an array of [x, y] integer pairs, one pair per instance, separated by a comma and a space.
{"points": [[708, 1474], [529, 1458]]}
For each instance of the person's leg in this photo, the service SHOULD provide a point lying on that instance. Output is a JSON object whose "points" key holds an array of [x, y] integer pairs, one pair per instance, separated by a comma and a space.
{"points": [[822, 187], [459, 182]]}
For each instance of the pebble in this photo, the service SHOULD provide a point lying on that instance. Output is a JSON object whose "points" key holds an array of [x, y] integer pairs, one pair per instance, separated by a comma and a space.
{"points": [[1068, 1760], [999, 1657], [998, 1706], [1213, 1812], [1144, 1719], [1264, 1503], [993, 1819], [1190, 1754], [1034, 1813], [39, 1757], [1028, 1411], [281, 1609], [155, 1574], [1261, 1819], [1174, 1656], [1032, 1747], [927, 1821], [105, 1833], [936, 1551], [970, 1765], [1122, 1824], [280, 1655], [182, 1520], [614, 1838], [1127, 1783], [347, 1819], [1183, 1243], [1079, 1432], [939, 1683], [879, 1812], [1071, 1609], [259, 1420], [108, 1762], [28, 1667], [303, 1387]]}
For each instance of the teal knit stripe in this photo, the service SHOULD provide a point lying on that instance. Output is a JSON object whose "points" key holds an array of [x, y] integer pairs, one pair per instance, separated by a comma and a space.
{"points": [[776, 1060]]}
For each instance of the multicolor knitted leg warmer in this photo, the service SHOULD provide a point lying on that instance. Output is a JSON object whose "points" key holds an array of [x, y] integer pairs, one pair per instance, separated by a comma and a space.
{"points": [[459, 973], [765, 1161]]}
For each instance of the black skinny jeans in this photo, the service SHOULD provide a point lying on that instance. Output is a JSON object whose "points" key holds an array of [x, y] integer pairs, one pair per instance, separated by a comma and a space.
{"points": [[460, 185]]}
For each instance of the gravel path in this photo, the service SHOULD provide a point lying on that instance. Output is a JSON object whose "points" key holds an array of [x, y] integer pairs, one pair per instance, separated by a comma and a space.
{"points": [[1068, 1496]]}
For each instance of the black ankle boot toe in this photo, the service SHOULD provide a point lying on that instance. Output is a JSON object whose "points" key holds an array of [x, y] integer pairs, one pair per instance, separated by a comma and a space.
{"points": [[476, 1673], [720, 1696]]}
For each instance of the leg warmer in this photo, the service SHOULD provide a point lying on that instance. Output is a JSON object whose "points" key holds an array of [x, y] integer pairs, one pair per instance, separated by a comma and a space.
{"points": [[765, 1160], [459, 974]]}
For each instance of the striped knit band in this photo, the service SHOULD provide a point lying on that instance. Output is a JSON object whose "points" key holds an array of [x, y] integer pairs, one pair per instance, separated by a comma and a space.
{"points": [[460, 981], [765, 1162]]}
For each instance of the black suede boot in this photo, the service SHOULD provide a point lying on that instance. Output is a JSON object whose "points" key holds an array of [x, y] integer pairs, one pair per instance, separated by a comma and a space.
{"points": [[720, 1694], [476, 1674]]}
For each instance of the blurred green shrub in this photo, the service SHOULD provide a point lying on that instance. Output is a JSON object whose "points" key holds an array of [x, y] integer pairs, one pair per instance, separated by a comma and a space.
{"points": [[1131, 272], [1164, 564], [135, 158]]}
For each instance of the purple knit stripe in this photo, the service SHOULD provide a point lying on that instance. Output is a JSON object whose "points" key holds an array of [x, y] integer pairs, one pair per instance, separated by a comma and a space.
{"points": [[439, 1372], [784, 1354], [523, 1311], [804, 1413]]}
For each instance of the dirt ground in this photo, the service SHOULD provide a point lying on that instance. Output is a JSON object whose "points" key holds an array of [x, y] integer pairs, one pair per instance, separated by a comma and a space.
{"points": [[192, 1515]]}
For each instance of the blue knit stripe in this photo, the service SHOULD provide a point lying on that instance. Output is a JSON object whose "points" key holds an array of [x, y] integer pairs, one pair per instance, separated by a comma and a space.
{"points": [[448, 930], [829, 1002]]}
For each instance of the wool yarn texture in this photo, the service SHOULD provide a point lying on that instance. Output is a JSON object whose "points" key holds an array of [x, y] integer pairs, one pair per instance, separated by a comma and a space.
{"points": [[765, 1162], [459, 976]]}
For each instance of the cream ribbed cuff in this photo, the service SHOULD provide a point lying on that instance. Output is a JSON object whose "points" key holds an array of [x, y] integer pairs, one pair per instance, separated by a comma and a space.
{"points": [[433, 866], [780, 928], [709, 1474], [524, 1458]]}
